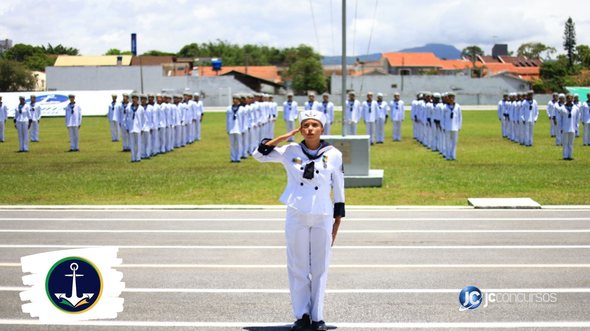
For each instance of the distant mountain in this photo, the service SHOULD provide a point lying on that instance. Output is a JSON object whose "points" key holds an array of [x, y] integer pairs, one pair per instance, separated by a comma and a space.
{"points": [[334, 60], [442, 51]]}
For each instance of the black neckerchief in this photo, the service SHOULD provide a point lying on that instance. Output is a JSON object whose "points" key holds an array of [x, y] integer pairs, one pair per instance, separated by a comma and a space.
{"points": [[321, 150], [72, 105], [32, 107]]}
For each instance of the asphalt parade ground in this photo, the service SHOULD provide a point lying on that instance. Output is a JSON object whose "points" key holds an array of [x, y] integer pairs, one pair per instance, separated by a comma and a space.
{"points": [[215, 269]]}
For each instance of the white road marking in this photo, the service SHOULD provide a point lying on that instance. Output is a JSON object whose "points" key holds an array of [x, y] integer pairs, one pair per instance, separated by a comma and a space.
{"points": [[345, 266], [191, 231], [282, 219], [362, 325], [230, 247], [331, 291]]}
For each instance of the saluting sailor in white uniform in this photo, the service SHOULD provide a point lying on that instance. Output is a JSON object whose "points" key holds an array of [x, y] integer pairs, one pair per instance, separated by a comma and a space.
{"points": [[352, 113], [380, 118], [290, 113], [35, 117], [327, 107], [73, 123], [586, 120], [22, 123], [398, 115], [314, 168], [3, 118], [112, 117]]}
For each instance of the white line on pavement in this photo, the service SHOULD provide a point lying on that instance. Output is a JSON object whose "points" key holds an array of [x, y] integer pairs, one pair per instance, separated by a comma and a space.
{"points": [[345, 266], [348, 219], [190, 231], [357, 326], [332, 291], [229, 247]]}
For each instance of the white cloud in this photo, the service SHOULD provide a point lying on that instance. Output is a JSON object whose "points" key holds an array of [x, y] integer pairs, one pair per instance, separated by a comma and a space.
{"points": [[95, 26]]}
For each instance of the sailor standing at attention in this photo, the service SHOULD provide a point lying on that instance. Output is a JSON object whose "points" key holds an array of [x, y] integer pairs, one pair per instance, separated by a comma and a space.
{"points": [[146, 128], [135, 120], [121, 116], [381, 118], [290, 113], [233, 126], [398, 114], [352, 113], [22, 123], [112, 117], [327, 107], [369, 113], [569, 116], [36, 118], [73, 123], [311, 103], [314, 169], [551, 105], [586, 120]]}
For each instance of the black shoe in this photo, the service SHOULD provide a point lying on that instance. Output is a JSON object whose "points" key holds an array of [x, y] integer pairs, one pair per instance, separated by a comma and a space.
{"points": [[302, 324], [320, 326]]}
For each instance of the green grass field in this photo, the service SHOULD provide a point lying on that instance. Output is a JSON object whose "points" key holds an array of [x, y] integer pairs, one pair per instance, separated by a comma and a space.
{"points": [[487, 166]]}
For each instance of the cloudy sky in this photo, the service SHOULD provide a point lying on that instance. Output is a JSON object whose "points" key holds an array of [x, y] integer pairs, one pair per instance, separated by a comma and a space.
{"points": [[94, 26]]}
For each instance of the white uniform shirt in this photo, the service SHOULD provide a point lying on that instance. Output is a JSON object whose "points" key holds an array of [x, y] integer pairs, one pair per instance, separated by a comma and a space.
{"points": [[111, 113], [135, 119], [530, 111], [502, 109], [328, 109], [397, 113], [310, 196], [312, 105], [290, 111], [233, 119], [200, 109], [382, 109], [369, 111], [73, 115], [3, 112], [35, 110], [586, 112], [22, 113], [551, 108], [569, 116], [453, 118], [352, 114]]}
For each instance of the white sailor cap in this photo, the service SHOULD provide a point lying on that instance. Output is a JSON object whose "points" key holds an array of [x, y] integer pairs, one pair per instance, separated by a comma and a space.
{"points": [[235, 96], [436, 95], [71, 95], [451, 94], [22, 97], [555, 94], [312, 114], [134, 95], [396, 93], [187, 93], [114, 95], [143, 96], [290, 94], [561, 95], [311, 94], [325, 94], [380, 95], [576, 95], [530, 92], [151, 95], [512, 94], [369, 93], [427, 93], [125, 94], [352, 93]]}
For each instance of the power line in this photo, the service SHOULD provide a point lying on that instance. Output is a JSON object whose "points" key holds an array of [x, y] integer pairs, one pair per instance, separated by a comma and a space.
{"points": [[356, 3], [369, 43], [315, 29], [332, 26]]}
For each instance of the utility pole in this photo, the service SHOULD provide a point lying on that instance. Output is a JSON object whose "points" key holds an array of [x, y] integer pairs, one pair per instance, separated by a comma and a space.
{"points": [[343, 96]]}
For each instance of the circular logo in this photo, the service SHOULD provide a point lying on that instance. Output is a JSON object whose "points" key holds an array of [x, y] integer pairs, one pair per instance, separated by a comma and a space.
{"points": [[470, 297], [73, 285]]}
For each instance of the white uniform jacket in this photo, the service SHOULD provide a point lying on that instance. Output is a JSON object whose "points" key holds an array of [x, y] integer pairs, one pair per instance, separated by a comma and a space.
{"points": [[3, 112], [398, 113], [369, 111], [290, 111], [569, 116], [530, 110], [452, 119], [112, 112], [311, 196], [309, 105], [586, 112], [233, 120], [73, 115], [22, 113], [352, 114], [35, 112], [135, 119], [381, 110], [328, 109]]}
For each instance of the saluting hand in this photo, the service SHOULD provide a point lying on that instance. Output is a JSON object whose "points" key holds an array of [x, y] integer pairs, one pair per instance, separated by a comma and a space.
{"points": [[335, 227]]}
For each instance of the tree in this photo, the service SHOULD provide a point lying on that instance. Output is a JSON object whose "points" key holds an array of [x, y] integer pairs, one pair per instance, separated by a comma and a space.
{"points": [[306, 71], [471, 53], [15, 77], [534, 50], [115, 51], [157, 53], [583, 55], [569, 41], [60, 50], [33, 57]]}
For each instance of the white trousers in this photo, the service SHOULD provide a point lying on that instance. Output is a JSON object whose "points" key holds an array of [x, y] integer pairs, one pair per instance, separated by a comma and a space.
{"points": [[198, 129], [186, 134], [22, 129], [553, 129], [235, 142], [271, 128], [351, 128], [380, 130], [155, 141], [34, 131], [135, 142], [528, 133], [114, 130], [371, 131], [244, 145], [146, 144], [2, 128], [125, 136], [290, 127], [74, 132], [568, 144], [178, 136], [309, 239], [397, 130], [163, 139], [586, 133], [327, 128], [451, 150], [253, 139]]}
